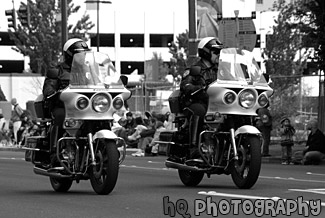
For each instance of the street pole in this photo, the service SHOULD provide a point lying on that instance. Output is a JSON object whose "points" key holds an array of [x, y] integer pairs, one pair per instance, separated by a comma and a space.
{"points": [[98, 40], [192, 32], [97, 2], [64, 31]]}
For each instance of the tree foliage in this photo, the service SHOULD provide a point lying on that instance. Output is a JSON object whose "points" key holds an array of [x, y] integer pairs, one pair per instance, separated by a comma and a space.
{"points": [[287, 51], [317, 36], [179, 51], [41, 40]]}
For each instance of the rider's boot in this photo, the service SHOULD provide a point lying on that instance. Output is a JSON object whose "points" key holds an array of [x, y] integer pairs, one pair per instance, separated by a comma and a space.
{"points": [[53, 141], [193, 136]]}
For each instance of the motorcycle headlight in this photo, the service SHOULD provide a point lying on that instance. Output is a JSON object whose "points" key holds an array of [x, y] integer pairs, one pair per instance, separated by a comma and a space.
{"points": [[82, 103], [118, 103], [101, 103], [262, 100], [229, 97], [247, 99]]}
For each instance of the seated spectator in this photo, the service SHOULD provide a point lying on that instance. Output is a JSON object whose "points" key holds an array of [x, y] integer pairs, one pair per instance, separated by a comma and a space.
{"points": [[4, 132], [152, 149], [168, 123], [138, 129], [127, 129], [145, 137], [314, 151], [26, 125]]}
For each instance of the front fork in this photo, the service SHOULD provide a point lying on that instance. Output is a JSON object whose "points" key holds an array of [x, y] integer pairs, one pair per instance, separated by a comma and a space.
{"points": [[233, 144], [91, 147]]}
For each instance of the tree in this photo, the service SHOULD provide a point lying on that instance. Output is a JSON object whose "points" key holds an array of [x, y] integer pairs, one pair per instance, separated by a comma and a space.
{"points": [[180, 52], [317, 7], [316, 10], [41, 40], [286, 55]]}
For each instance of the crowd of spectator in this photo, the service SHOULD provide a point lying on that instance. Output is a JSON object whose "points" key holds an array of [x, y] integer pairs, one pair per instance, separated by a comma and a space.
{"points": [[142, 131], [14, 132]]}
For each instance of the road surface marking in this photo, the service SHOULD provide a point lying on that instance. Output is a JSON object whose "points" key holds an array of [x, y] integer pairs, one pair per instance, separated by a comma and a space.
{"points": [[11, 158], [316, 191], [292, 179], [315, 174]]}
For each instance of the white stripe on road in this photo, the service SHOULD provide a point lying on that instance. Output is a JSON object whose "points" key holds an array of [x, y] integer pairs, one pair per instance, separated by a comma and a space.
{"points": [[316, 191], [315, 174], [146, 168], [291, 179], [11, 158]]}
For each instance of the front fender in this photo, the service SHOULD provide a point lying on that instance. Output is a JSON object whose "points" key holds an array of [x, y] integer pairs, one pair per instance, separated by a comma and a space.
{"points": [[247, 129], [105, 133]]}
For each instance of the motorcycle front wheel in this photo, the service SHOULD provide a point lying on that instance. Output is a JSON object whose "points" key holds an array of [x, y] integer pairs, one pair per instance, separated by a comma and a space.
{"points": [[246, 172], [61, 185], [190, 178], [104, 175]]}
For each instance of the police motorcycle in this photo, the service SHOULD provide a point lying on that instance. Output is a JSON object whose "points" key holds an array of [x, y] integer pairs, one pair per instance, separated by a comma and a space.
{"points": [[88, 149], [229, 143]]}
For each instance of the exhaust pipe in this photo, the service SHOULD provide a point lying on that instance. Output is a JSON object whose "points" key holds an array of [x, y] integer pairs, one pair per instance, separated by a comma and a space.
{"points": [[53, 174], [171, 164]]}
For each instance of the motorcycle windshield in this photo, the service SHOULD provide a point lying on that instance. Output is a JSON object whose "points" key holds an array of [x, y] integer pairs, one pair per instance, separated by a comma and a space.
{"points": [[239, 67], [93, 69]]}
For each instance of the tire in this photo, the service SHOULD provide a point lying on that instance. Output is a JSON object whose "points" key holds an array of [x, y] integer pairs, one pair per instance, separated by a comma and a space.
{"points": [[61, 185], [190, 178], [249, 163], [103, 178]]}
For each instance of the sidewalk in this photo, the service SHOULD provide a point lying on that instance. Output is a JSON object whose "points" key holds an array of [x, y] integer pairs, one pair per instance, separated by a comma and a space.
{"points": [[275, 151]]}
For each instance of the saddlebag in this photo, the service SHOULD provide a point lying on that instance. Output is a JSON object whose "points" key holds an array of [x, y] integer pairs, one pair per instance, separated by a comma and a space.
{"points": [[174, 150], [37, 149], [42, 109], [175, 102], [165, 136]]}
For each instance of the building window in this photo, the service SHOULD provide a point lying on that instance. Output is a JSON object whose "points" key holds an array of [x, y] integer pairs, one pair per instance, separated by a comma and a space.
{"points": [[132, 40], [258, 41], [128, 67], [161, 40], [259, 1], [105, 40], [5, 39], [8, 66]]}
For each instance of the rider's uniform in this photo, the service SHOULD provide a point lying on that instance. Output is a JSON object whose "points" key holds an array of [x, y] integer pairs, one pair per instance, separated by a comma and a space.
{"points": [[198, 103], [191, 83], [57, 78]]}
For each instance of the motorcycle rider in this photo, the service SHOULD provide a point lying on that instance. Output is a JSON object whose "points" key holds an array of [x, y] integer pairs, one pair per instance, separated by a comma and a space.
{"points": [[195, 81], [58, 78]]}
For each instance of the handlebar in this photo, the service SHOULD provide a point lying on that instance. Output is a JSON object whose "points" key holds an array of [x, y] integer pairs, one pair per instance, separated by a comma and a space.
{"points": [[200, 89]]}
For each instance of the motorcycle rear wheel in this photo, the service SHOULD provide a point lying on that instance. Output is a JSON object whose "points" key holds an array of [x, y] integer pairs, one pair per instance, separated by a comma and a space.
{"points": [[249, 163], [104, 177], [190, 178], [61, 185]]}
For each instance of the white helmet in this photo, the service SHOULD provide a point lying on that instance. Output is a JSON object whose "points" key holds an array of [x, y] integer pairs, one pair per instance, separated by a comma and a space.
{"points": [[208, 45], [73, 46]]}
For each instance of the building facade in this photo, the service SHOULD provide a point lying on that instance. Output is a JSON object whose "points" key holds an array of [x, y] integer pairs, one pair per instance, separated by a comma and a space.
{"points": [[130, 32]]}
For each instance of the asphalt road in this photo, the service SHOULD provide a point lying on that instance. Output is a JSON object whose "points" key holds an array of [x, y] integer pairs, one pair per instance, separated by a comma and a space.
{"points": [[146, 189]]}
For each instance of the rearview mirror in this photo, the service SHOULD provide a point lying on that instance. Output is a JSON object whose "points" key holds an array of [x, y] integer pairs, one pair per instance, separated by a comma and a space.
{"points": [[124, 79]]}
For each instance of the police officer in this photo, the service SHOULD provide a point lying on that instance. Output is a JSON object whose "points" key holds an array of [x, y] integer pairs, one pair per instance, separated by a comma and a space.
{"points": [[58, 78], [195, 81]]}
